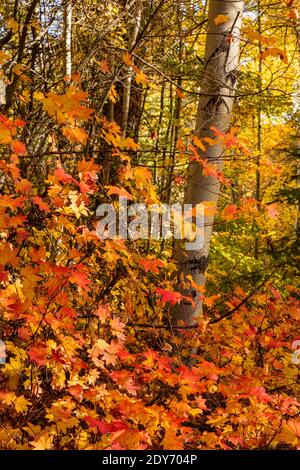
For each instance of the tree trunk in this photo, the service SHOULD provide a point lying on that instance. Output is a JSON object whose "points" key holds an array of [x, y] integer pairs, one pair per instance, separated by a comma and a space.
{"points": [[217, 96], [68, 39], [128, 79]]}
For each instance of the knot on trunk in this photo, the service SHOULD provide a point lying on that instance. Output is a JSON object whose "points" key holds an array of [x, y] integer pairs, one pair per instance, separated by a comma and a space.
{"points": [[195, 265]]}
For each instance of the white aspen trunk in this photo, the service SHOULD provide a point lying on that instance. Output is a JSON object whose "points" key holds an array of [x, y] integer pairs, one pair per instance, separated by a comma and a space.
{"points": [[128, 79], [215, 105], [68, 39]]}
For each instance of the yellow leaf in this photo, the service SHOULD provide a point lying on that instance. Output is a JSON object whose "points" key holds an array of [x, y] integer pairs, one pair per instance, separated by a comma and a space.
{"points": [[195, 412], [171, 441], [220, 19], [112, 94], [127, 58], [21, 404], [121, 192], [75, 134], [44, 442], [3, 57], [19, 69], [13, 25], [141, 78], [274, 52]]}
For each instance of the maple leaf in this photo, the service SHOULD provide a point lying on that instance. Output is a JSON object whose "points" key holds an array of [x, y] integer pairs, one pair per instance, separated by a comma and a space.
{"points": [[41, 204], [104, 66], [141, 78], [12, 203], [260, 394], [127, 59], [75, 134], [18, 147], [172, 441], [102, 312], [38, 354], [79, 276], [103, 427], [294, 426], [43, 442], [112, 94], [117, 327], [30, 279], [23, 186], [169, 296], [141, 175], [62, 176], [124, 379], [112, 190], [230, 212], [21, 404], [274, 52], [151, 265], [130, 144]]}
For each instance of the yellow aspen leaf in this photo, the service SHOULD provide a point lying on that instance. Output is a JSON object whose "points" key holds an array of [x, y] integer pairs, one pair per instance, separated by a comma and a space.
{"points": [[220, 19]]}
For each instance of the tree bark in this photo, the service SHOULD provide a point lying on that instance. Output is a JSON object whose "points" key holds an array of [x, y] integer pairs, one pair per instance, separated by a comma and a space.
{"points": [[68, 39], [128, 79], [214, 110]]}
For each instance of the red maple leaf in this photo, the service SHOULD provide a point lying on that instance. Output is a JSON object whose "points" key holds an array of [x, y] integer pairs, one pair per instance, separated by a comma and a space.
{"points": [[169, 296], [151, 265], [38, 354]]}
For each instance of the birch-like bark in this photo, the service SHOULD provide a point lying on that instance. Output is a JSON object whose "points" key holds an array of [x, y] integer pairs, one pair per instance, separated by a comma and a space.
{"points": [[2, 92], [214, 110], [68, 39], [128, 79]]}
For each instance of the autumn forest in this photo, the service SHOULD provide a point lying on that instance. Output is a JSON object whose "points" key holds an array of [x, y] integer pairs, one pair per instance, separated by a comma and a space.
{"points": [[149, 225]]}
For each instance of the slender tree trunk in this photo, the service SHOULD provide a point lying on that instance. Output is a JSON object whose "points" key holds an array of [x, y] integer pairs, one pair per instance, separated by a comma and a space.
{"points": [[68, 39], [2, 92], [259, 126], [215, 105], [128, 79]]}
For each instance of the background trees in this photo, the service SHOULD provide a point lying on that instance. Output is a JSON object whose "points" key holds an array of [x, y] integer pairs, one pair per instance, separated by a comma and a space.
{"points": [[93, 358]]}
